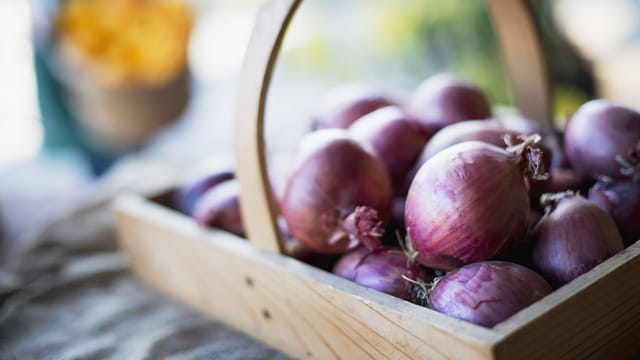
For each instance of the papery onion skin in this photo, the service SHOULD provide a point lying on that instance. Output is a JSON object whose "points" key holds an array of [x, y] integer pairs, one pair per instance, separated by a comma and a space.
{"points": [[487, 293], [597, 133], [572, 238], [395, 138], [466, 204], [333, 175], [219, 208], [442, 100], [381, 269], [621, 199], [346, 104]]}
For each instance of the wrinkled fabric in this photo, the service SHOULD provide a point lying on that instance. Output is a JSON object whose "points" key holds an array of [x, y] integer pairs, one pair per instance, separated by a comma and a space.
{"points": [[72, 297]]}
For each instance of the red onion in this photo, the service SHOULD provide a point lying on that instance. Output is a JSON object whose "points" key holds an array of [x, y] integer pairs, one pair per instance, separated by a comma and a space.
{"points": [[487, 293], [573, 236], [219, 208], [200, 178], [337, 195], [442, 100], [621, 199], [395, 138], [597, 133], [486, 131], [381, 269], [346, 104], [469, 201]]}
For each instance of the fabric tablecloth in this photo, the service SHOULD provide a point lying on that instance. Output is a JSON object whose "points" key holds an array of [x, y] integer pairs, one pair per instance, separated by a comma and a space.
{"points": [[72, 296]]}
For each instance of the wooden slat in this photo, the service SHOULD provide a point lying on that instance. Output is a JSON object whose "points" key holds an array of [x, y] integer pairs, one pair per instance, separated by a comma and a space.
{"points": [[296, 308], [597, 313], [256, 200], [523, 57]]}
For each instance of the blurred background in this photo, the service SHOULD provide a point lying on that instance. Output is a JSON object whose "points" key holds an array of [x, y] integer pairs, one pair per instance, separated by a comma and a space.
{"points": [[99, 94]]}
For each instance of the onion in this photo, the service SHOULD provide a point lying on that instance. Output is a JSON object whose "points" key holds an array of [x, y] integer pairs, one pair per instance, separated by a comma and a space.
{"points": [[474, 130], [219, 208], [338, 194], [346, 104], [469, 201], [573, 236], [597, 133], [487, 293], [621, 199], [381, 269], [200, 178], [442, 100], [395, 138]]}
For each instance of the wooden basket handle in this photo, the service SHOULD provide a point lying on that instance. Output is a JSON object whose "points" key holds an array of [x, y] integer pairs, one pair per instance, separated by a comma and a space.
{"points": [[522, 56]]}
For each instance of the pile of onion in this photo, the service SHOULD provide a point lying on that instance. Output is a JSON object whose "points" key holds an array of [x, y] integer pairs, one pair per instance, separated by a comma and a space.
{"points": [[470, 201]]}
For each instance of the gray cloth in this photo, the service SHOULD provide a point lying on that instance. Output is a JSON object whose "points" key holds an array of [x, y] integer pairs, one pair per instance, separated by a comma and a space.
{"points": [[71, 296]]}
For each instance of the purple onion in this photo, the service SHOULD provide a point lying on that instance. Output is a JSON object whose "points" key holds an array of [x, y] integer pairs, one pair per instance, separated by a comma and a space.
{"points": [[346, 104], [487, 293], [337, 195], [381, 269], [395, 138], [469, 201], [219, 208], [620, 199], [442, 100], [573, 236], [486, 131], [200, 178], [597, 133]]}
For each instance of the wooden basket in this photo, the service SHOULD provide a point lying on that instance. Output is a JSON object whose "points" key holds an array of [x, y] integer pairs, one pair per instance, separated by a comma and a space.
{"points": [[310, 313]]}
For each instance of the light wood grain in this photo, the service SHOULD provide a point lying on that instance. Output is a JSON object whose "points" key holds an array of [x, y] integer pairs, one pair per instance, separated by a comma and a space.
{"points": [[296, 308], [258, 206]]}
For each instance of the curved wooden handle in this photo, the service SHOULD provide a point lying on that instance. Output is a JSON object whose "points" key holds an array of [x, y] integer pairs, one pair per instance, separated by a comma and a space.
{"points": [[521, 53]]}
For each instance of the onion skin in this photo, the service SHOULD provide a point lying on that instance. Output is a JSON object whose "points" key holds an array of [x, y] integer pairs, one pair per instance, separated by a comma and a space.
{"points": [[621, 199], [219, 208], [442, 100], [381, 269], [346, 104], [466, 204], [573, 236], [596, 134], [332, 176], [199, 179], [486, 293], [395, 138]]}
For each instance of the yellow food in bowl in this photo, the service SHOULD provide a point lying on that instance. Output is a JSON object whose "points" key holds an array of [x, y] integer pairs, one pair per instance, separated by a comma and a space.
{"points": [[126, 41]]}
